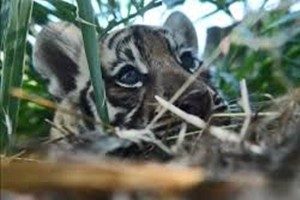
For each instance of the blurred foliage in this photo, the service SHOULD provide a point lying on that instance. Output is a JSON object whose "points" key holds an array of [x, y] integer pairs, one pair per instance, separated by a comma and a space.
{"points": [[269, 57], [222, 4], [32, 117], [272, 70]]}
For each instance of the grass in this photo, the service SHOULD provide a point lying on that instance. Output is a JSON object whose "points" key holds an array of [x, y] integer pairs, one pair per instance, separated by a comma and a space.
{"points": [[13, 44]]}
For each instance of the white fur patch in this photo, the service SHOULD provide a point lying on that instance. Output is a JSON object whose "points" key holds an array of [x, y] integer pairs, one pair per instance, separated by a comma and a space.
{"points": [[138, 63], [113, 111]]}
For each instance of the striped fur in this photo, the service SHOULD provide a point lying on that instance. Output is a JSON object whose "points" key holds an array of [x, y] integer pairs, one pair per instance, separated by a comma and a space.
{"points": [[138, 63]]}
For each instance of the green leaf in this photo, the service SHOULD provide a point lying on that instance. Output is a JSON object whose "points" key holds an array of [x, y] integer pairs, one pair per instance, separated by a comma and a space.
{"points": [[14, 45], [88, 28]]}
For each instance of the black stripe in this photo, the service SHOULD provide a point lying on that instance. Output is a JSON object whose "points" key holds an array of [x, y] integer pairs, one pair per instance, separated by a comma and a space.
{"points": [[85, 106], [218, 100], [62, 66], [114, 64], [124, 101], [138, 40], [122, 43], [114, 37], [129, 54]]}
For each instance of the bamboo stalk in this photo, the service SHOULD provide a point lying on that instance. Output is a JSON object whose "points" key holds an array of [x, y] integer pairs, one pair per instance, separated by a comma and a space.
{"points": [[88, 29]]}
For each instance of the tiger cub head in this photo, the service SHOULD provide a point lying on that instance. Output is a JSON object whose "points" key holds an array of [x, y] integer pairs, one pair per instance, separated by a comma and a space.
{"points": [[138, 62]]}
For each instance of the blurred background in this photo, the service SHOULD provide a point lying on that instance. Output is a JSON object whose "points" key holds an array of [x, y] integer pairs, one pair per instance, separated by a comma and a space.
{"points": [[264, 45]]}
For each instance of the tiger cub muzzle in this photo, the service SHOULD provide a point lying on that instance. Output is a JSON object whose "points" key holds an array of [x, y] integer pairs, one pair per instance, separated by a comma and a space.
{"points": [[138, 62]]}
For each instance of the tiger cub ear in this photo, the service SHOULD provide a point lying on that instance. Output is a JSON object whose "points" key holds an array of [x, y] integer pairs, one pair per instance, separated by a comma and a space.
{"points": [[183, 30], [59, 57]]}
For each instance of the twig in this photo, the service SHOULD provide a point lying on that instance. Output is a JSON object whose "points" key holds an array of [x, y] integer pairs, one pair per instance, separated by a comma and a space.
{"points": [[206, 15], [246, 106], [146, 135], [64, 131], [260, 114], [186, 134], [161, 124], [220, 133], [113, 23], [9, 126], [8, 159], [181, 136], [61, 129]]}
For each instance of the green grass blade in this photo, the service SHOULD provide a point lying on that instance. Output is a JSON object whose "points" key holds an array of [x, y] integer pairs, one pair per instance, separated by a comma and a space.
{"points": [[86, 13], [284, 20], [13, 45]]}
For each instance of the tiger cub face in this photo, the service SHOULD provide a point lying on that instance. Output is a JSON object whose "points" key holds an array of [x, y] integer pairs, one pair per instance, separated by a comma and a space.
{"points": [[138, 62]]}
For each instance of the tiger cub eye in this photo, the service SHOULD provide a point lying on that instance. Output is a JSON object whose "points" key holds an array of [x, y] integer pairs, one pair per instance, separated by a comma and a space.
{"points": [[129, 76], [189, 62]]}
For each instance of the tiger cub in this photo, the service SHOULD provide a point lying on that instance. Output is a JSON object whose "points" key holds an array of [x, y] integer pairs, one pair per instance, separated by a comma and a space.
{"points": [[138, 62]]}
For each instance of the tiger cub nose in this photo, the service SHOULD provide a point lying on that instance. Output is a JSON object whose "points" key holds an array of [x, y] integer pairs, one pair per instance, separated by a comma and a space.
{"points": [[196, 103]]}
